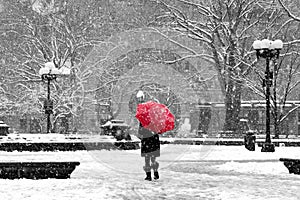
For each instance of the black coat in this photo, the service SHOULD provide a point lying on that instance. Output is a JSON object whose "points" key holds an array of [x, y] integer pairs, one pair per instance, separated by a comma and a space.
{"points": [[150, 144]]}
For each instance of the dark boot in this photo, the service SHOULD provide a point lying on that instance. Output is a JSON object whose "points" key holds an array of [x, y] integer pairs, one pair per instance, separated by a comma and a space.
{"points": [[155, 168], [156, 176], [148, 173], [148, 176]]}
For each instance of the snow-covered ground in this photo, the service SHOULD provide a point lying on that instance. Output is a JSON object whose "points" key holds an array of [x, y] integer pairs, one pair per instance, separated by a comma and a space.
{"points": [[187, 172]]}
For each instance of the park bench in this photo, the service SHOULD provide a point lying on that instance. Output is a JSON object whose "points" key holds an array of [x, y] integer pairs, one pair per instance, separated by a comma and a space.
{"points": [[37, 170], [293, 165]]}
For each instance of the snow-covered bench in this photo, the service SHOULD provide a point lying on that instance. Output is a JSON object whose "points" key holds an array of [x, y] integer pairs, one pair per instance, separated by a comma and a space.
{"points": [[293, 165], [37, 170]]}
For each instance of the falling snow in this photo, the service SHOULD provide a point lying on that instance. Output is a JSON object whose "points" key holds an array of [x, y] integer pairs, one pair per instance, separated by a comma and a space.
{"points": [[184, 55]]}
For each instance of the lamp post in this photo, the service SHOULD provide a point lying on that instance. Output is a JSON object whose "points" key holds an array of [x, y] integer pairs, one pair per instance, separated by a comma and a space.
{"points": [[269, 50], [48, 73]]}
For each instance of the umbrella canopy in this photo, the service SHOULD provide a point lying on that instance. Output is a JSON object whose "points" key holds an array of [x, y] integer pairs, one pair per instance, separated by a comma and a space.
{"points": [[155, 117]]}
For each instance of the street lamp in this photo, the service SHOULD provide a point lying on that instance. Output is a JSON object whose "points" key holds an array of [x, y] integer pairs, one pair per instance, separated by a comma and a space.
{"points": [[48, 73], [269, 50]]}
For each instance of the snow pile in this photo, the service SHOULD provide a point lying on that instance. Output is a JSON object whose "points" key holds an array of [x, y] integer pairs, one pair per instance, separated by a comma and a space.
{"points": [[267, 168], [238, 153]]}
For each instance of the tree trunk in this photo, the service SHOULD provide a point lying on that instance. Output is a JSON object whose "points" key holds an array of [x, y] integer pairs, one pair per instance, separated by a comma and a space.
{"points": [[276, 130], [232, 94], [232, 106]]}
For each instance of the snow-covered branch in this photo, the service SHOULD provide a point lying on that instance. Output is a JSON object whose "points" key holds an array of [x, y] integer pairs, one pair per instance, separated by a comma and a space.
{"points": [[290, 14]]}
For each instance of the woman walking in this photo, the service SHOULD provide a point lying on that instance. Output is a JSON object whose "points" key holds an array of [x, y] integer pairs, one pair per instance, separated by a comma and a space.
{"points": [[150, 146]]}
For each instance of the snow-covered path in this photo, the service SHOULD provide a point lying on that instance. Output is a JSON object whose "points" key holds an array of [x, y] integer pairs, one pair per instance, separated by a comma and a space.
{"points": [[187, 172]]}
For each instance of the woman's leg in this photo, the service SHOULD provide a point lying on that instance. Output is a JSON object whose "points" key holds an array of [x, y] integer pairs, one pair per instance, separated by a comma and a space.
{"points": [[153, 163], [147, 168], [155, 166], [147, 163]]}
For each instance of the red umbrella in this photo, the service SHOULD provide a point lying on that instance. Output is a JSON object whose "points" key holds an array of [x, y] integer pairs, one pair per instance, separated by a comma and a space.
{"points": [[155, 117]]}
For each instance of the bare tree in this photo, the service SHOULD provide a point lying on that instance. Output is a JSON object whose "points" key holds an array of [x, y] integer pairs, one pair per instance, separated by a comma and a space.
{"points": [[285, 70], [226, 29], [288, 11], [39, 31]]}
